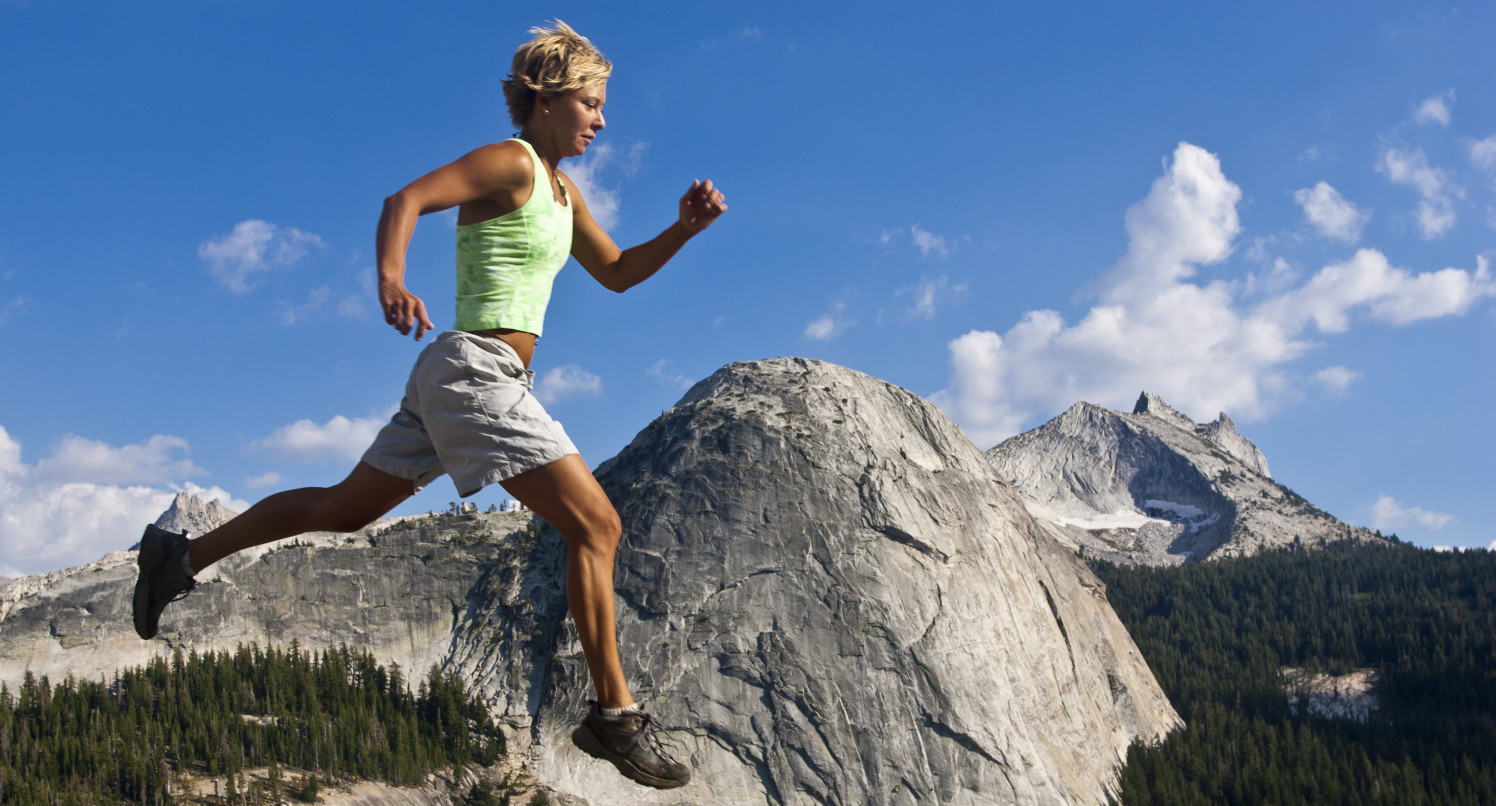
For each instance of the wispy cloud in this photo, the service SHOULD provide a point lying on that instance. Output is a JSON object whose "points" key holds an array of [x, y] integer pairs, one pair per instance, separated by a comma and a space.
{"points": [[663, 371], [263, 480], [928, 243], [829, 325], [1435, 110], [1388, 516], [1336, 380], [927, 295], [1209, 346], [15, 306], [587, 173], [567, 381], [1437, 191], [238, 258], [1483, 153], [1330, 213]]}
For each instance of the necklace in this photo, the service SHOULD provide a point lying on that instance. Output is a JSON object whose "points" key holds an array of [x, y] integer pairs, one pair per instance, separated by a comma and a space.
{"points": [[555, 177]]}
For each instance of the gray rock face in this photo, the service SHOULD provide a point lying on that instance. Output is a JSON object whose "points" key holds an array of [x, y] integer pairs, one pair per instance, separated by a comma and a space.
{"points": [[398, 592], [1154, 488], [828, 596]]}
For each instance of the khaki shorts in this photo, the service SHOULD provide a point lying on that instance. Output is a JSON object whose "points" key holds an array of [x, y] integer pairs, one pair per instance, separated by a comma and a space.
{"points": [[468, 411]]}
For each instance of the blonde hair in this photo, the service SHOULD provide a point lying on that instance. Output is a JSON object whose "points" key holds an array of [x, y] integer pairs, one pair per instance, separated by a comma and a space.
{"points": [[556, 60]]}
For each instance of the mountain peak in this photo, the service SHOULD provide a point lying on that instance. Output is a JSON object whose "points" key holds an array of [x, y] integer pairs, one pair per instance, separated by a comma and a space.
{"points": [[1151, 404], [1153, 487], [188, 513]]}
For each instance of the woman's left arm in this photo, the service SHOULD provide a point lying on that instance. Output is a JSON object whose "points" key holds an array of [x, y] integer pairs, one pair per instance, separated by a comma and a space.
{"points": [[621, 269]]}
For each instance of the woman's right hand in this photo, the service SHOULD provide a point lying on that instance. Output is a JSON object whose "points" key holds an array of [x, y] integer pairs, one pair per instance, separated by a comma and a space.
{"points": [[403, 309]]}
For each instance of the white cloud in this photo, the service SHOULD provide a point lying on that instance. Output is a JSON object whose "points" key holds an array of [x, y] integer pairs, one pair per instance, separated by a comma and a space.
{"points": [[1483, 153], [928, 242], [87, 499], [1392, 295], [1330, 213], [263, 480], [1336, 380], [1187, 219], [929, 292], [1436, 190], [340, 438], [586, 173], [1199, 345], [159, 460], [829, 325], [1435, 110], [1389, 516], [568, 380], [254, 247], [662, 370]]}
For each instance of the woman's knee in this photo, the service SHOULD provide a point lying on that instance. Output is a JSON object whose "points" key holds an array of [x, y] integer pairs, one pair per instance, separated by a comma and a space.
{"points": [[599, 531], [359, 500]]}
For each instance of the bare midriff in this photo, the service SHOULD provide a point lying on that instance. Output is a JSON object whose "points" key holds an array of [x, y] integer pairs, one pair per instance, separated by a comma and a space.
{"points": [[522, 342]]}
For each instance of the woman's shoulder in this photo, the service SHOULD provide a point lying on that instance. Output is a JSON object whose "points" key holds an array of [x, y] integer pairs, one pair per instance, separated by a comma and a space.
{"points": [[507, 161]]}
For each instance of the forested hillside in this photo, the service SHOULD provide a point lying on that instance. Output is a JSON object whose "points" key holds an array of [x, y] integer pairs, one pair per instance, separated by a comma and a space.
{"points": [[1219, 635], [141, 736]]}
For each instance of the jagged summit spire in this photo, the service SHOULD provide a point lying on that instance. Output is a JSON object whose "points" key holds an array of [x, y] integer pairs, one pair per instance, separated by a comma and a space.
{"points": [[189, 513], [1149, 403]]}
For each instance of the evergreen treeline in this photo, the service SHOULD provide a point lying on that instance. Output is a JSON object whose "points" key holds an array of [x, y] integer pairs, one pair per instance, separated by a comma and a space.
{"points": [[136, 738], [1218, 636]]}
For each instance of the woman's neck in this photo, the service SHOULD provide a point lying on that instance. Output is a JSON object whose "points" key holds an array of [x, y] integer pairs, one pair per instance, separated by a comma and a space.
{"points": [[545, 150]]}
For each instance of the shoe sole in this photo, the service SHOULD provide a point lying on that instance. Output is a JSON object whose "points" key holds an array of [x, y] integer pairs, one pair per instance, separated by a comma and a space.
{"points": [[152, 550], [588, 742]]}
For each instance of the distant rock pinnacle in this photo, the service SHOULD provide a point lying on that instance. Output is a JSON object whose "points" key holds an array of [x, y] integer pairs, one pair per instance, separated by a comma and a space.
{"points": [[1155, 488], [189, 514]]}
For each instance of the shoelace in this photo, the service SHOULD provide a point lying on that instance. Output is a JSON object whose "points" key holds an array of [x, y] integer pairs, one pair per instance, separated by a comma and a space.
{"points": [[650, 736]]}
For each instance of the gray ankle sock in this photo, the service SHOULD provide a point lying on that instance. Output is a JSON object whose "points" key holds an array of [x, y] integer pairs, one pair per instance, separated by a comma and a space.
{"points": [[627, 709], [187, 565]]}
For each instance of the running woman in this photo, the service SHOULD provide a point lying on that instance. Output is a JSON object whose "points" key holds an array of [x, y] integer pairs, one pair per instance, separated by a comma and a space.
{"points": [[468, 409]]}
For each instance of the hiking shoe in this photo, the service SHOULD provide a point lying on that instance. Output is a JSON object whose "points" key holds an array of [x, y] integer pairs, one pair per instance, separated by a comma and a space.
{"points": [[162, 579], [630, 742]]}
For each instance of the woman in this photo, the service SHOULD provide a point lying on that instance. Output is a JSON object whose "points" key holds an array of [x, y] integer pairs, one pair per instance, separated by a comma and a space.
{"points": [[468, 410]]}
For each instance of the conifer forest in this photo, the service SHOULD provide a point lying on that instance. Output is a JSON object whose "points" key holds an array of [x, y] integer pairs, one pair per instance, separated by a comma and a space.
{"points": [[1220, 635], [330, 716]]}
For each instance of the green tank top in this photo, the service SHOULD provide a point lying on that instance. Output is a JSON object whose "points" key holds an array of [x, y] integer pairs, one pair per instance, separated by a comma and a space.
{"points": [[506, 265]]}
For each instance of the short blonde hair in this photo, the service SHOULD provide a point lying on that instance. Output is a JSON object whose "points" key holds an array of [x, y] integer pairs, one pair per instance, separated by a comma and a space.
{"points": [[555, 60]]}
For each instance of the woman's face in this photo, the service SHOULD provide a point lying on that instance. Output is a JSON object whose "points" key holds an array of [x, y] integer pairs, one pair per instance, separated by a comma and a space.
{"points": [[576, 117]]}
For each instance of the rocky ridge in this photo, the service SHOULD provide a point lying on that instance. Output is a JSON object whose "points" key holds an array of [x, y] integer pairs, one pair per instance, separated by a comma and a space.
{"points": [[397, 588], [826, 594], [1152, 487]]}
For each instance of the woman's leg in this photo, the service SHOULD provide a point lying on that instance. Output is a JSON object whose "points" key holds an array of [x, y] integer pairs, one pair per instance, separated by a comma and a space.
{"points": [[350, 505], [566, 495]]}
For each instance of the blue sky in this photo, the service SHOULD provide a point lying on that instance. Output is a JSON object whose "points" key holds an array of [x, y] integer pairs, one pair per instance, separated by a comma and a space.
{"points": [[1285, 211]]}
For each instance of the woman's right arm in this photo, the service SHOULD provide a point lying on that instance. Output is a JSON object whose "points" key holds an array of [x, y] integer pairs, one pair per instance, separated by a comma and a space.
{"points": [[494, 173]]}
